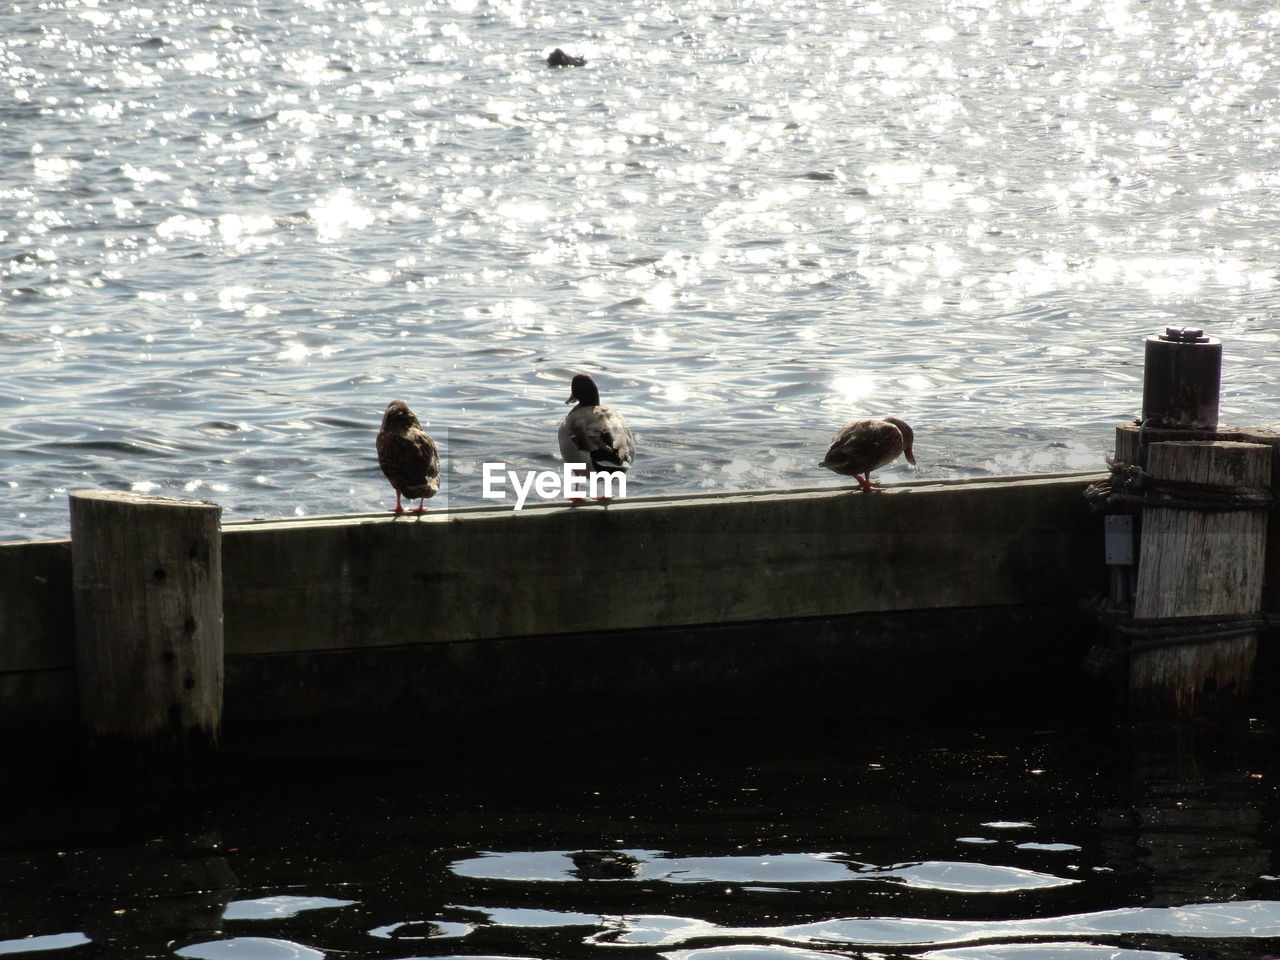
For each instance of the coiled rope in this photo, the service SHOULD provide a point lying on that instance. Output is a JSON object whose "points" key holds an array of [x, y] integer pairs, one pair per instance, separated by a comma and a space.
{"points": [[1139, 636], [1129, 484]]}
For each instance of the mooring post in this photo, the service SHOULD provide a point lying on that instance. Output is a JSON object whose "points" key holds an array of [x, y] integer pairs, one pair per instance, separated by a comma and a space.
{"points": [[1206, 563], [1181, 378], [147, 590], [1197, 495]]}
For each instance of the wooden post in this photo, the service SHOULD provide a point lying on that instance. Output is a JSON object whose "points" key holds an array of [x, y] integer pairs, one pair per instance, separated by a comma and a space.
{"points": [[1128, 450], [146, 577], [1199, 563], [1130, 438]]}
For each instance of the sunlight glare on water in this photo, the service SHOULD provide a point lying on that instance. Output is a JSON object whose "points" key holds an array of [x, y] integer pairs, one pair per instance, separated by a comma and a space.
{"points": [[751, 226]]}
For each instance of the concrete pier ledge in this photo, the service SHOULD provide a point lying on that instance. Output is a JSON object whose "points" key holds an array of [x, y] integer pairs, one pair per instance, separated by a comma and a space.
{"points": [[414, 628]]}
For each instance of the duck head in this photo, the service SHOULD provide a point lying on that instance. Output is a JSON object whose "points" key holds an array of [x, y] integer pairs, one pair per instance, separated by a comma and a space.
{"points": [[398, 416], [908, 437], [584, 391]]}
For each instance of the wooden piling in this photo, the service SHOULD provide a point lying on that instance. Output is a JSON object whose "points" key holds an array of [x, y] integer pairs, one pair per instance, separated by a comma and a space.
{"points": [[146, 577], [1199, 563], [1131, 441]]}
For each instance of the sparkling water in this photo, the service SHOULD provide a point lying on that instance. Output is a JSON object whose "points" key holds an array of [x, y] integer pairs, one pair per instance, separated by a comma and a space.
{"points": [[231, 233]]}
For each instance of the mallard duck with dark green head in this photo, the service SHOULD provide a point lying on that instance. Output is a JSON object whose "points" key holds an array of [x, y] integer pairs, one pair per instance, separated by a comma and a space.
{"points": [[594, 435]]}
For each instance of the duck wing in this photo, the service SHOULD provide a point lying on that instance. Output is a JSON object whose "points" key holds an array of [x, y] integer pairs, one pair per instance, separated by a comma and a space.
{"points": [[862, 446], [598, 437], [410, 461]]}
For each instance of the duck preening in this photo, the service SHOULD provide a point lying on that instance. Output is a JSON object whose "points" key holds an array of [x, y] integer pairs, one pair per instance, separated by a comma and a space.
{"points": [[407, 455], [594, 435], [866, 445], [558, 58]]}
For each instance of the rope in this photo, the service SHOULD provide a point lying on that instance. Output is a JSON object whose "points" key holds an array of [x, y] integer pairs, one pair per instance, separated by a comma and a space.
{"points": [[1155, 633], [1132, 484]]}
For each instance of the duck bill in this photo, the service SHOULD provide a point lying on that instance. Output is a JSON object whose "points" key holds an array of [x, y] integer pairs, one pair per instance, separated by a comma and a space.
{"points": [[572, 399]]}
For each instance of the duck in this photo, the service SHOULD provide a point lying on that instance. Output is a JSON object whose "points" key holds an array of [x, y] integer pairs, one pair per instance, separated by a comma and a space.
{"points": [[865, 445], [407, 456], [558, 58], [594, 435]]}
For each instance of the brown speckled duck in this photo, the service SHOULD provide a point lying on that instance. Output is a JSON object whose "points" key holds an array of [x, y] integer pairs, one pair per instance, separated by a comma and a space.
{"points": [[407, 455], [866, 445]]}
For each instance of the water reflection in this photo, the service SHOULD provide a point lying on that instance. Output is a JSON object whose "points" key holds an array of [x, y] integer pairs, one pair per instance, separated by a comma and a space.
{"points": [[421, 930], [1194, 821], [993, 845], [775, 871], [257, 948], [1245, 920], [278, 907], [39, 944], [174, 885]]}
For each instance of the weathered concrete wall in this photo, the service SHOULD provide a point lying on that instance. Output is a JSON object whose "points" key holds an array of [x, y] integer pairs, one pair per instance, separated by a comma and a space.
{"points": [[35, 606], [655, 562], [651, 599], [37, 649]]}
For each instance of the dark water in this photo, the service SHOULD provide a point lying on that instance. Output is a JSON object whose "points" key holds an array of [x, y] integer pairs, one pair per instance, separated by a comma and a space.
{"points": [[825, 843]]}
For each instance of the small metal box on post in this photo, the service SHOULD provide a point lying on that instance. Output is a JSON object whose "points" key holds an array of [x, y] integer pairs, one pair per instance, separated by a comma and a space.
{"points": [[147, 591], [1191, 639]]}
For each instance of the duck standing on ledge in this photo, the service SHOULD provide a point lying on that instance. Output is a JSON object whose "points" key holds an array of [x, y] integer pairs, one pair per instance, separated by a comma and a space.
{"points": [[407, 455], [866, 445], [594, 435]]}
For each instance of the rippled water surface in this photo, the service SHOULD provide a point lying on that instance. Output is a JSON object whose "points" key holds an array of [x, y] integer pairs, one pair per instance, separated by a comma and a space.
{"points": [[231, 232], [968, 846]]}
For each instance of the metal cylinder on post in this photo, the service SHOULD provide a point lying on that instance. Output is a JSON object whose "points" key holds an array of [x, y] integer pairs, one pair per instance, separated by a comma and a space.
{"points": [[1181, 380]]}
